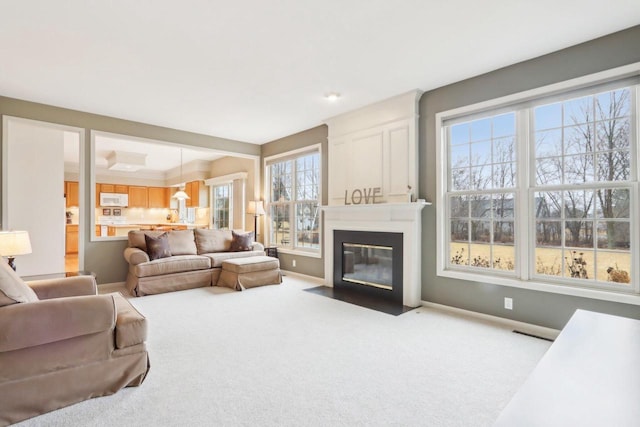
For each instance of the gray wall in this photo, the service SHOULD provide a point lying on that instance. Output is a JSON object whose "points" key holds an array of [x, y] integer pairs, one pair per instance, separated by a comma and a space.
{"points": [[318, 135], [105, 258], [541, 308]]}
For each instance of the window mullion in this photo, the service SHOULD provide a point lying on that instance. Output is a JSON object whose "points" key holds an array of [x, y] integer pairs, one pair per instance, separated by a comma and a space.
{"points": [[524, 241]]}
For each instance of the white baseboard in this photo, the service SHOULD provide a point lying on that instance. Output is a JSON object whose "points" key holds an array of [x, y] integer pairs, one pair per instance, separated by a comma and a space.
{"points": [[528, 328], [314, 279]]}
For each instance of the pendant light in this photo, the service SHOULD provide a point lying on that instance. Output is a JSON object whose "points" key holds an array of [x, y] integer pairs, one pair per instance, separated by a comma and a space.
{"points": [[181, 194]]}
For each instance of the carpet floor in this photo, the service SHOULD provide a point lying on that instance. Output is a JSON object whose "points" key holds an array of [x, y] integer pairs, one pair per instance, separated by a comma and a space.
{"points": [[279, 356]]}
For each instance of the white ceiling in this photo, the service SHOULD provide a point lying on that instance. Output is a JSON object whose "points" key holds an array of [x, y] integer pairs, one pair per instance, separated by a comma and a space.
{"points": [[255, 70]]}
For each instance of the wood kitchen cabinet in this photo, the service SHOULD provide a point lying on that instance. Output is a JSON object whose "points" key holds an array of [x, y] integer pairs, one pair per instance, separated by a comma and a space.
{"points": [[71, 193], [193, 191], [138, 197], [107, 188], [114, 188], [71, 239], [158, 197]]}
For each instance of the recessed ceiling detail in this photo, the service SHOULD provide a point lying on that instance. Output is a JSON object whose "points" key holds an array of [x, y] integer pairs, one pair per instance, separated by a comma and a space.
{"points": [[126, 162]]}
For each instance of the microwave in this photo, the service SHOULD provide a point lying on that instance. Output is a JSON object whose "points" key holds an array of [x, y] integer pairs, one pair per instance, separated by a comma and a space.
{"points": [[114, 199]]}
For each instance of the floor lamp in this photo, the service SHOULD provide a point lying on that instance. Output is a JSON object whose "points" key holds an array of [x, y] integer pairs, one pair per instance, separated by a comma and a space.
{"points": [[256, 209]]}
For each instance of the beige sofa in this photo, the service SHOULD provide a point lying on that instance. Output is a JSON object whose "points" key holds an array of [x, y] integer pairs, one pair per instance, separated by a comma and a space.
{"points": [[195, 261], [64, 343]]}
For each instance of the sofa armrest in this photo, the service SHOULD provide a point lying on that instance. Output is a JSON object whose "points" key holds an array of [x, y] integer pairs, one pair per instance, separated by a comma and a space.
{"points": [[135, 256], [64, 287], [35, 323], [257, 246]]}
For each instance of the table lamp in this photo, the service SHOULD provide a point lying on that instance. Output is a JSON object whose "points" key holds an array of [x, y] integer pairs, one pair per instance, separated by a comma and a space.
{"points": [[13, 243], [256, 209]]}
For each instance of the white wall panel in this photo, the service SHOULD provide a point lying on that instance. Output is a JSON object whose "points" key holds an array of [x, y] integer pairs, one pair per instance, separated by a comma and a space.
{"points": [[375, 146], [339, 154], [34, 193], [398, 161], [366, 162]]}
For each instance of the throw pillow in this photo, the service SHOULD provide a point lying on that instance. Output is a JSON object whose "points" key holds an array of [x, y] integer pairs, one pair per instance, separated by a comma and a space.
{"points": [[181, 242], [157, 247], [12, 288], [241, 242]]}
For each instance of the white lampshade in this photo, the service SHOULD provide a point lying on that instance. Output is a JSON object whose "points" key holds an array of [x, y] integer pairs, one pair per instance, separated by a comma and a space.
{"points": [[180, 195], [14, 243], [255, 208]]}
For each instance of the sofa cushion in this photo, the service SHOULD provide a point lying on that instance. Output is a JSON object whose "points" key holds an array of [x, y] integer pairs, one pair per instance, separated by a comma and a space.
{"points": [[157, 247], [208, 241], [181, 242], [218, 258], [136, 238], [241, 242], [131, 326], [12, 288], [174, 264]]}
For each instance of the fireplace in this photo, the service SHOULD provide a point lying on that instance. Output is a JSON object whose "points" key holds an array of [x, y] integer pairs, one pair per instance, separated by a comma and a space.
{"points": [[403, 219], [369, 262]]}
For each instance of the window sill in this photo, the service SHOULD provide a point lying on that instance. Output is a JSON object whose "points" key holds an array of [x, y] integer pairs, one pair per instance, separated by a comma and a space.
{"points": [[295, 252], [625, 298]]}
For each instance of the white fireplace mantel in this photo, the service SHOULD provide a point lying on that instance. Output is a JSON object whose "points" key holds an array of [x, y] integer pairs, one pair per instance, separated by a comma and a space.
{"points": [[402, 218]]}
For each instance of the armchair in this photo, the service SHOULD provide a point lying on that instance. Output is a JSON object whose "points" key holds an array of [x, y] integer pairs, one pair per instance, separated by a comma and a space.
{"points": [[61, 343]]}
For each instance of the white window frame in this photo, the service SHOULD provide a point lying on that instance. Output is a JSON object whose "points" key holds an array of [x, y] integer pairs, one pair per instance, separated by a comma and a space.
{"points": [[292, 249], [525, 231], [229, 187]]}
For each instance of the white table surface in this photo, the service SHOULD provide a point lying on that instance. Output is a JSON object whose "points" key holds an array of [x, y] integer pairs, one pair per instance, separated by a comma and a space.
{"points": [[590, 376]]}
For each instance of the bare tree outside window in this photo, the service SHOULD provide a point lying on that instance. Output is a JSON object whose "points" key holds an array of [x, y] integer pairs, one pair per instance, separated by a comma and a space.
{"points": [[577, 181], [583, 145], [294, 202], [483, 173]]}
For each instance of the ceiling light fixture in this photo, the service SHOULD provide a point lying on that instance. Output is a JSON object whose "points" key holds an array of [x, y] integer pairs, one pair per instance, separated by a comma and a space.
{"points": [[181, 194], [332, 96]]}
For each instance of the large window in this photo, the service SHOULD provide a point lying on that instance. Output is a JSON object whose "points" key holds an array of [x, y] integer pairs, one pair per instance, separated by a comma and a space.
{"points": [[293, 203], [222, 204], [545, 191]]}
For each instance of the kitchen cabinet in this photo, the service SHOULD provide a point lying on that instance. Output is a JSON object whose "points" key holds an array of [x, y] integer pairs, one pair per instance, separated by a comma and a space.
{"points": [[138, 197], [107, 188], [193, 191], [97, 195], [71, 239], [71, 193], [114, 188], [158, 197]]}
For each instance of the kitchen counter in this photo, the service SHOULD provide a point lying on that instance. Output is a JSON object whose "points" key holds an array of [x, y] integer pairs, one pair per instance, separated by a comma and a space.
{"points": [[123, 229]]}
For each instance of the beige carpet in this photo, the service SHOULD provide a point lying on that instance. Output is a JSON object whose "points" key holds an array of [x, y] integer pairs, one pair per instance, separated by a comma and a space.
{"points": [[279, 356]]}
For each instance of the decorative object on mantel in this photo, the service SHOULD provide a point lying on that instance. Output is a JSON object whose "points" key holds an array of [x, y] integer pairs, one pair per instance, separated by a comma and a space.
{"points": [[366, 195], [14, 243]]}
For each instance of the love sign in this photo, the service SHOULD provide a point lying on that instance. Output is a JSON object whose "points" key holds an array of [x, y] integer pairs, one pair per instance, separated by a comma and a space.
{"points": [[364, 196]]}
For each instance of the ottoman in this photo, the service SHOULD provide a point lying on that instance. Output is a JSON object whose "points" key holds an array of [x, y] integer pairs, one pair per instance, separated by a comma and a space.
{"points": [[250, 272]]}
